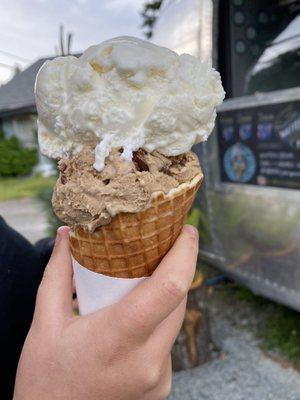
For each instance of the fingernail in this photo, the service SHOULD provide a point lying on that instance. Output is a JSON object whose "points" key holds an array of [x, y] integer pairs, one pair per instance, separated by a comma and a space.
{"points": [[59, 233], [192, 230], [58, 236]]}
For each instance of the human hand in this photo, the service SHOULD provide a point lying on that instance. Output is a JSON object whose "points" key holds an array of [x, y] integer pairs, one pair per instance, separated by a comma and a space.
{"points": [[119, 352]]}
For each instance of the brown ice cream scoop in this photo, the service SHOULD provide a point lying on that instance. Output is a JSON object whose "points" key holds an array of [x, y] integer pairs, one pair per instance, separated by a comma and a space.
{"points": [[125, 218], [85, 198]]}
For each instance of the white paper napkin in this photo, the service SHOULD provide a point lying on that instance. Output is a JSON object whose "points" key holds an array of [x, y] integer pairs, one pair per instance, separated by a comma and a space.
{"points": [[95, 291]]}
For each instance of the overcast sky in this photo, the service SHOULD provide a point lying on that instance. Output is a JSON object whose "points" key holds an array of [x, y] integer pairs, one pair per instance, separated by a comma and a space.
{"points": [[29, 28]]}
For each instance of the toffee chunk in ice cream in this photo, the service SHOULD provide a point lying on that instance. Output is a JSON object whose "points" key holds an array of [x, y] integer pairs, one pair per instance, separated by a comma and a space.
{"points": [[84, 197]]}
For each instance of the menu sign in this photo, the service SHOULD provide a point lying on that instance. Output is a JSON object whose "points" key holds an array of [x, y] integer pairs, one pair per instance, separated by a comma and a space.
{"points": [[261, 145]]}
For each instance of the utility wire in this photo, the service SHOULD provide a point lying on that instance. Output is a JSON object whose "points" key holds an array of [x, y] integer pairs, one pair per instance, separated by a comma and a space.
{"points": [[6, 53], [6, 66]]}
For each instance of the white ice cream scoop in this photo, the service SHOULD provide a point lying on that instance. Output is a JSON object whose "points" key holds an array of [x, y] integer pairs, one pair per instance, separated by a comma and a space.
{"points": [[125, 92]]}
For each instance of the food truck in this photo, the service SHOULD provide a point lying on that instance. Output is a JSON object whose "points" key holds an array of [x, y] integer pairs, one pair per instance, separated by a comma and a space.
{"points": [[248, 210]]}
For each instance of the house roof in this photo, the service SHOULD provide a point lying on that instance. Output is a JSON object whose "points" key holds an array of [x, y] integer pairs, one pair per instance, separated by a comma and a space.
{"points": [[17, 96]]}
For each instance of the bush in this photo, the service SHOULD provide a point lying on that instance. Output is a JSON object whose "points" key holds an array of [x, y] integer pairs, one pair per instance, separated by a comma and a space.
{"points": [[14, 159]]}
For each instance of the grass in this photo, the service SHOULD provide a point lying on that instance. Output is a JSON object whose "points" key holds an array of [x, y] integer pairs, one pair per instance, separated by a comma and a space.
{"points": [[244, 294], [282, 332], [278, 327], [281, 328], [17, 188]]}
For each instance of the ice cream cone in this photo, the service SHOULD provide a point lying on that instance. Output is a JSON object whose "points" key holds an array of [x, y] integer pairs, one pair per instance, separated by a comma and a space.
{"points": [[133, 244]]}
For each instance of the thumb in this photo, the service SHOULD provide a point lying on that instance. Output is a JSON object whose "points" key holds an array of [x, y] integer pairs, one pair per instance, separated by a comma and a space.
{"points": [[142, 310], [54, 298]]}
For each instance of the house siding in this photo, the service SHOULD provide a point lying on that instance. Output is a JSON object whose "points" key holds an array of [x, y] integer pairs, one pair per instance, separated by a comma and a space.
{"points": [[24, 127]]}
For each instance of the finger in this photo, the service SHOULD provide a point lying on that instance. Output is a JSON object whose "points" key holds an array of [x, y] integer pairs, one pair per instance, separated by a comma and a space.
{"points": [[163, 388], [164, 336], [54, 297], [155, 298]]}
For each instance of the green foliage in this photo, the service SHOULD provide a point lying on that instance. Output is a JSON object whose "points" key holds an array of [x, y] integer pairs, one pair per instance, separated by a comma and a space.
{"points": [[18, 188], [282, 331], [277, 326], [244, 294], [197, 218], [45, 195], [149, 15], [15, 160]]}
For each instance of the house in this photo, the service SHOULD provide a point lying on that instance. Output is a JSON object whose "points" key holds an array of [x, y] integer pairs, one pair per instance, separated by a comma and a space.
{"points": [[18, 115], [17, 106]]}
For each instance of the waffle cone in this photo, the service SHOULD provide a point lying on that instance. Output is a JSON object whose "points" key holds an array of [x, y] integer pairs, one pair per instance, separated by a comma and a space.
{"points": [[133, 244]]}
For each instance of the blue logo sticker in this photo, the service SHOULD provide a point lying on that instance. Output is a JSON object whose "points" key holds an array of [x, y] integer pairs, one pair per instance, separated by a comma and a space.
{"points": [[264, 130], [227, 132], [239, 163], [245, 131]]}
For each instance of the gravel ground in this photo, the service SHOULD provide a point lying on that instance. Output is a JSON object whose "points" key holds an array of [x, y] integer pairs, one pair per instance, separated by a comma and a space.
{"points": [[26, 216], [242, 372]]}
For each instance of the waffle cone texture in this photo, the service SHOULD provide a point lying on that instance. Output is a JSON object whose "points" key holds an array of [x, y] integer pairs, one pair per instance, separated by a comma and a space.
{"points": [[133, 244]]}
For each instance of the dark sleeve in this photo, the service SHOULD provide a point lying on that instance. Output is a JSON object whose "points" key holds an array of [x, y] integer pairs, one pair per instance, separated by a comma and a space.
{"points": [[21, 270]]}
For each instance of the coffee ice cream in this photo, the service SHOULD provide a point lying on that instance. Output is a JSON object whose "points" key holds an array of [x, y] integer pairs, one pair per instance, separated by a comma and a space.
{"points": [[84, 197]]}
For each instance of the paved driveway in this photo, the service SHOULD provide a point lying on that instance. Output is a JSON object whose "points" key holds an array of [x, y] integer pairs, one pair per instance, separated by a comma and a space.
{"points": [[26, 216]]}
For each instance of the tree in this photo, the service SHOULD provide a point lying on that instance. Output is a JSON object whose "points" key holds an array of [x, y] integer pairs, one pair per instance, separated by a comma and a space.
{"points": [[149, 15]]}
